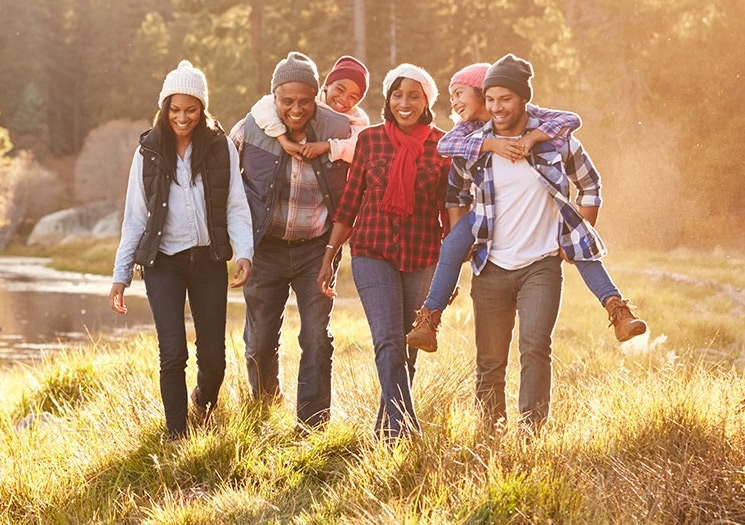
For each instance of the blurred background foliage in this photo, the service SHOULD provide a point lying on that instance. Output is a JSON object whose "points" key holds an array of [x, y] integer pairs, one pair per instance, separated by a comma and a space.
{"points": [[659, 84]]}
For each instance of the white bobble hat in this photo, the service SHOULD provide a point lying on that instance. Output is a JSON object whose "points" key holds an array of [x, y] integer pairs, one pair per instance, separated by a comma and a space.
{"points": [[414, 73], [185, 80]]}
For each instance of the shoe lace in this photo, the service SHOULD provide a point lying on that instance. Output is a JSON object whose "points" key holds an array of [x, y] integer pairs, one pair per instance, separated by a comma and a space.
{"points": [[427, 319], [619, 311]]}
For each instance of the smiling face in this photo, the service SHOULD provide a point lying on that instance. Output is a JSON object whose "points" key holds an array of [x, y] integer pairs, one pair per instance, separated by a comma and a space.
{"points": [[342, 95], [184, 112], [407, 104], [467, 103], [295, 102], [507, 110]]}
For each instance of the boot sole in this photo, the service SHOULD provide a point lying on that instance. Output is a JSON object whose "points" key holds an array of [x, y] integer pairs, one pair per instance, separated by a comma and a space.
{"points": [[412, 342], [638, 329]]}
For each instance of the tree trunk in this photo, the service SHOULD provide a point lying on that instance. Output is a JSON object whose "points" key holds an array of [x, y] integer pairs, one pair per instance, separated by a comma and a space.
{"points": [[360, 37]]}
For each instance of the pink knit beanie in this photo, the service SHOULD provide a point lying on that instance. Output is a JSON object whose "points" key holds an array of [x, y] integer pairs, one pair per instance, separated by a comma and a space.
{"points": [[472, 75]]}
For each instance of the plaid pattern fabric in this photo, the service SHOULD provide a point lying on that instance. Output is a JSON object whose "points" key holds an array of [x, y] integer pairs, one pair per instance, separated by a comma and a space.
{"points": [[460, 142], [409, 243], [555, 168], [300, 212]]}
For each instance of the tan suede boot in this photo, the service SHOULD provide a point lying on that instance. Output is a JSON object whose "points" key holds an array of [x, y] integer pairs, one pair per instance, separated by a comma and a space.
{"points": [[424, 333], [623, 320]]}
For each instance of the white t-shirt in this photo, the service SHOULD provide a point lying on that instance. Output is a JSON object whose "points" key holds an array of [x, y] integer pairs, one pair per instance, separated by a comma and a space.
{"points": [[527, 222]]}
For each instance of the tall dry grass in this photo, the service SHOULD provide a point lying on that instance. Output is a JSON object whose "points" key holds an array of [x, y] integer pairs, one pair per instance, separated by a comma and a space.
{"points": [[650, 431]]}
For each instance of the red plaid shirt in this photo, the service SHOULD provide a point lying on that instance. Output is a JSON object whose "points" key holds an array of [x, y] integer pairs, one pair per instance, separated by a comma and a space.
{"points": [[409, 243]]}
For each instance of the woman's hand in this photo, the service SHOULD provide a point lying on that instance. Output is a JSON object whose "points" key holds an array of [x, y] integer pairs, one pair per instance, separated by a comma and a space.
{"points": [[116, 298], [242, 272], [326, 275]]}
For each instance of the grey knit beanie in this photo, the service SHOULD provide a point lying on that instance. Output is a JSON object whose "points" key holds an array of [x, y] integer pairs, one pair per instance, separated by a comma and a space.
{"points": [[510, 72], [185, 80], [295, 68]]}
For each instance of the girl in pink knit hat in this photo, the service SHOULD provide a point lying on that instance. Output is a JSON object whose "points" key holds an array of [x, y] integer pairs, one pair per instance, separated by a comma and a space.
{"points": [[342, 91], [468, 104]]}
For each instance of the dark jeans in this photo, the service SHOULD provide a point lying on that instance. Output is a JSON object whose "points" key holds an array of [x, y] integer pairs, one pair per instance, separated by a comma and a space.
{"points": [[390, 299], [534, 293], [206, 282], [277, 266], [455, 248]]}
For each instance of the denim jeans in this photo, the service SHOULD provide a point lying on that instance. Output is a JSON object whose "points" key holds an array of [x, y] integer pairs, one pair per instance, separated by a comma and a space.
{"points": [[452, 254], [205, 281], [277, 266], [534, 293], [390, 299], [597, 279], [455, 248]]}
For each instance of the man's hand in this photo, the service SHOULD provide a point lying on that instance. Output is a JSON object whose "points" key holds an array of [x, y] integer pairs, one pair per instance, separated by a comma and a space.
{"points": [[242, 272], [311, 150], [563, 255], [116, 298]]}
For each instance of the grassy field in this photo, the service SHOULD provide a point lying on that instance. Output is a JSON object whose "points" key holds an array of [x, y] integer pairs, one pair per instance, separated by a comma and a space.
{"points": [[652, 431]]}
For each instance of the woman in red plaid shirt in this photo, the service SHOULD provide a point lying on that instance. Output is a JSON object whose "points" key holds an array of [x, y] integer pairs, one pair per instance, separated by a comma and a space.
{"points": [[394, 214]]}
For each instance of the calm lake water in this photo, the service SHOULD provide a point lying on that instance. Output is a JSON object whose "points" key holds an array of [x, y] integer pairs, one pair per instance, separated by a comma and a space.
{"points": [[43, 310]]}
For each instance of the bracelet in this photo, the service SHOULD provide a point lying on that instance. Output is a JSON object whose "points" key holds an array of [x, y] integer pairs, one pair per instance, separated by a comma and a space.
{"points": [[330, 247]]}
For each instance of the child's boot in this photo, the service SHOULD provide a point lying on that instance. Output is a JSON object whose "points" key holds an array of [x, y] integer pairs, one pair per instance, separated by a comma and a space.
{"points": [[623, 320], [424, 333]]}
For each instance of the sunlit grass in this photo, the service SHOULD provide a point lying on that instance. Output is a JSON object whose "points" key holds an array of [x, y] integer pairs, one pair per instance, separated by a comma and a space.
{"points": [[651, 431]]}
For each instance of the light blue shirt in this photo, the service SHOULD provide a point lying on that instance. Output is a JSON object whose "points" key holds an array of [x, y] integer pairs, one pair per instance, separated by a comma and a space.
{"points": [[186, 220]]}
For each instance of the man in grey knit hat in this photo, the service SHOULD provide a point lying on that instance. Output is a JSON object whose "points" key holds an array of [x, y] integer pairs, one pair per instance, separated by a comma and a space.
{"points": [[292, 201]]}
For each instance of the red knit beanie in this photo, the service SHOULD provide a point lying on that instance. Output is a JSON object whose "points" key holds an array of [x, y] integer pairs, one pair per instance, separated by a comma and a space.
{"points": [[352, 69], [472, 75]]}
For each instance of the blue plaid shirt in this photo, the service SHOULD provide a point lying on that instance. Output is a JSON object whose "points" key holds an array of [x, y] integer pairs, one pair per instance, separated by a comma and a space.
{"points": [[555, 167]]}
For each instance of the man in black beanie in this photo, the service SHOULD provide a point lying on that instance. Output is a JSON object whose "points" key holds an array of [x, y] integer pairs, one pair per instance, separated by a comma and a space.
{"points": [[292, 204], [524, 224]]}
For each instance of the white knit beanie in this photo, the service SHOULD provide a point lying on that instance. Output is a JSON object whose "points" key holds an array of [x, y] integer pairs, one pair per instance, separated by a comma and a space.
{"points": [[414, 73], [185, 80]]}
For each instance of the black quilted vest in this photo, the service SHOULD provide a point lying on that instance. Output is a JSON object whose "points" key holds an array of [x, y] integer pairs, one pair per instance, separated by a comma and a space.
{"points": [[216, 179]]}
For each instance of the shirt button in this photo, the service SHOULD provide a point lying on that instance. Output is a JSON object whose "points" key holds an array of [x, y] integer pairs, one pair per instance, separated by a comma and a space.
{"points": [[164, 204], [276, 162], [152, 262], [159, 233], [152, 158]]}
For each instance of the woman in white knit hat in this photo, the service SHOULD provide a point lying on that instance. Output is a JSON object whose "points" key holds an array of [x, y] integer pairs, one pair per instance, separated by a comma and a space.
{"points": [[185, 206], [393, 209]]}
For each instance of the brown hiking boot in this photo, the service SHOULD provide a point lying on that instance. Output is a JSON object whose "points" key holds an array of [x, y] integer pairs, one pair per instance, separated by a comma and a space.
{"points": [[424, 333], [623, 320], [202, 412]]}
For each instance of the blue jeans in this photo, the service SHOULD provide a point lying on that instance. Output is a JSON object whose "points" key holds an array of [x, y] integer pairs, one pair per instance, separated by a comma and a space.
{"points": [[167, 283], [277, 266], [455, 249], [390, 299], [534, 293]]}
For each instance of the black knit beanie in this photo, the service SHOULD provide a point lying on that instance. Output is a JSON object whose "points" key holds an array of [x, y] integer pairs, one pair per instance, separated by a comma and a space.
{"points": [[510, 72]]}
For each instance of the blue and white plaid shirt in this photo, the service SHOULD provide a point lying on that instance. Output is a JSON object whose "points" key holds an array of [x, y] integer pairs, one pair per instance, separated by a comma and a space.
{"points": [[555, 167]]}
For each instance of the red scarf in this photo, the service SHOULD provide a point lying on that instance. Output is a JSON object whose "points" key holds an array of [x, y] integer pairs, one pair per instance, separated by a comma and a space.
{"points": [[399, 193]]}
